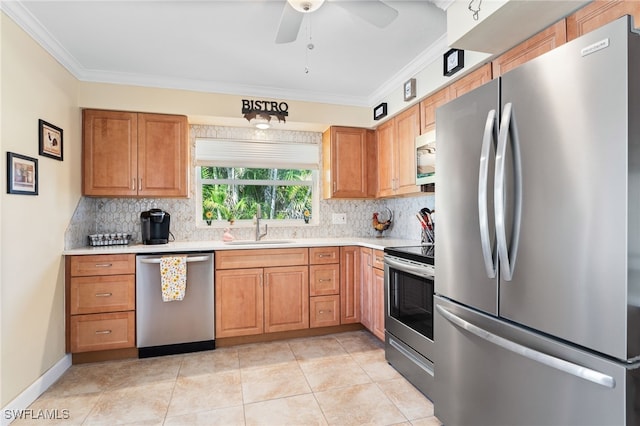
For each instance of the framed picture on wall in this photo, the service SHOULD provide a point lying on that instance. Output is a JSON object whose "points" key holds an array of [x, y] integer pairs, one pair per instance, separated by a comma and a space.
{"points": [[22, 174], [50, 138]]}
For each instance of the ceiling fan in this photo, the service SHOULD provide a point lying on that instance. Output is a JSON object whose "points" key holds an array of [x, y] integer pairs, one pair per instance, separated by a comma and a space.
{"points": [[373, 11]]}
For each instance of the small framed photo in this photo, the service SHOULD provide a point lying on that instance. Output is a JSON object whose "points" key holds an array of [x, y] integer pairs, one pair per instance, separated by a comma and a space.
{"points": [[50, 138], [453, 62], [22, 174], [410, 89], [380, 111]]}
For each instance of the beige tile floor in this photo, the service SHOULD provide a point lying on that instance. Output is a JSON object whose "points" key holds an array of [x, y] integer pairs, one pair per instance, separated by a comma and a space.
{"points": [[340, 379]]}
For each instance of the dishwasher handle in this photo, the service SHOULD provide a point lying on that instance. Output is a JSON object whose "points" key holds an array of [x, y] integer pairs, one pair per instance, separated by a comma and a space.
{"points": [[189, 259]]}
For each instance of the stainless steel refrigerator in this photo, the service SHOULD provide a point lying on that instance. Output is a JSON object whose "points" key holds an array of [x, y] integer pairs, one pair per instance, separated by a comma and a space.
{"points": [[537, 254]]}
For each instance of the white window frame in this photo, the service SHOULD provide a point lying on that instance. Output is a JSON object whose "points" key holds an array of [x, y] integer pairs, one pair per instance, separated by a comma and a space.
{"points": [[305, 156]]}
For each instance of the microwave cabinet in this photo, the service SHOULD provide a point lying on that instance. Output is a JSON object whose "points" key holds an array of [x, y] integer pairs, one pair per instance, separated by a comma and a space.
{"points": [[130, 154]]}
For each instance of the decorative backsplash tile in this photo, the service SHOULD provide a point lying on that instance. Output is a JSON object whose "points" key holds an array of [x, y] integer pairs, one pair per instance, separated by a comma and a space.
{"points": [[111, 215]]}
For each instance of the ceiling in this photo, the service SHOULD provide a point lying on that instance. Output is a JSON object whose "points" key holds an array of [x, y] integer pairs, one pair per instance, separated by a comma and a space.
{"points": [[229, 46]]}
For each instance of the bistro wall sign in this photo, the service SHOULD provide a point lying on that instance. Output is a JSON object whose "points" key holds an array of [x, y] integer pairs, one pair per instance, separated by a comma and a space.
{"points": [[252, 109]]}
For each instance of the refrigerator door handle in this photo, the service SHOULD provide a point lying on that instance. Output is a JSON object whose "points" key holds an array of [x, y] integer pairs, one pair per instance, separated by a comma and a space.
{"points": [[507, 253], [488, 139], [532, 354]]}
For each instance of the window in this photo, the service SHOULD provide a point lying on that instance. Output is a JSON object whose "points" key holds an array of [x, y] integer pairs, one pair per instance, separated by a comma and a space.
{"points": [[234, 177]]}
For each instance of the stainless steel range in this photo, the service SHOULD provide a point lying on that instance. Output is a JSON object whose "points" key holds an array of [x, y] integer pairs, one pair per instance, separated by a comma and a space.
{"points": [[409, 289]]}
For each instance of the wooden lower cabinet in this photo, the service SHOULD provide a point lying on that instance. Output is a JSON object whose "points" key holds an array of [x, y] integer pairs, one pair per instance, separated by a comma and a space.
{"points": [[100, 302], [377, 327], [239, 302], [261, 290], [286, 294], [372, 296], [96, 332], [324, 311], [366, 290], [350, 273]]}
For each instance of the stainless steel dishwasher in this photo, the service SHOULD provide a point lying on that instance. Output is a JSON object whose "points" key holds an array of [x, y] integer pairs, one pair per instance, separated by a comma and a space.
{"points": [[164, 328]]}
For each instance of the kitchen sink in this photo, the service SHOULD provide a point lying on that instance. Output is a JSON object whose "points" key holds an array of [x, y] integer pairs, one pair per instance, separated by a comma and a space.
{"points": [[261, 242]]}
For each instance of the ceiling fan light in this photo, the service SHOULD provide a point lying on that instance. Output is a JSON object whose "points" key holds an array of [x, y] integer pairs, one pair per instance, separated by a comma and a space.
{"points": [[305, 6]]}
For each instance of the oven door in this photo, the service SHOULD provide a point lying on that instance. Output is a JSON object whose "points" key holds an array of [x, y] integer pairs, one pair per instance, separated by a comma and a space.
{"points": [[409, 290]]}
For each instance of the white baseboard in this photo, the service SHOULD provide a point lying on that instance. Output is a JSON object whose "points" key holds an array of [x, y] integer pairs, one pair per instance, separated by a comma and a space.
{"points": [[36, 389]]}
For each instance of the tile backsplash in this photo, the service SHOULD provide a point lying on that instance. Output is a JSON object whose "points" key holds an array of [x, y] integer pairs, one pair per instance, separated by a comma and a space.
{"points": [[110, 215]]}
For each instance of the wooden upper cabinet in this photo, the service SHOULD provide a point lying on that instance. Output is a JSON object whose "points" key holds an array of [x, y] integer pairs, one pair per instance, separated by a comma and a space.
{"points": [[599, 13], [128, 154], [407, 128], [346, 158], [396, 153], [545, 41], [110, 153], [470, 81], [428, 108], [163, 155], [386, 151]]}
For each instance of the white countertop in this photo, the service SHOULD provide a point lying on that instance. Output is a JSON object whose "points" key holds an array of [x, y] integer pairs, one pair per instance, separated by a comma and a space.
{"points": [[193, 246]]}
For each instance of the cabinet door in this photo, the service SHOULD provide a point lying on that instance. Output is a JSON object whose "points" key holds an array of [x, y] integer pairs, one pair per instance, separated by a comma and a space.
{"points": [[366, 296], [428, 108], [385, 141], [286, 293], [345, 162], [546, 40], [597, 13], [378, 303], [109, 152], [163, 155], [407, 128], [239, 302], [470, 81], [349, 284]]}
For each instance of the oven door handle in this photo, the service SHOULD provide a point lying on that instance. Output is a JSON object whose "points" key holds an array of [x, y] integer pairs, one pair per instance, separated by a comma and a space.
{"points": [[411, 269]]}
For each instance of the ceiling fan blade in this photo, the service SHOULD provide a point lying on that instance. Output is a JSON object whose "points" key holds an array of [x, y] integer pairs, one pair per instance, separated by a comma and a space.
{"points": [[289, 26], [373, 11]]}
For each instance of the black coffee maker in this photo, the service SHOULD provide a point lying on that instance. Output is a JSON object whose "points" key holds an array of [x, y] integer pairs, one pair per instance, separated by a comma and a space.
{"points": [[155, 226]]}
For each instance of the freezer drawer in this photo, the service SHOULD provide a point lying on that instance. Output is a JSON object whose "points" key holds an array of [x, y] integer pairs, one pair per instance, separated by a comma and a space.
{"points": [[490, 372]]}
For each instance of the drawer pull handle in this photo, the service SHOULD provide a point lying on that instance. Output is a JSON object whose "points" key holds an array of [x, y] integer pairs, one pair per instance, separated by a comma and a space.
{"points": [[104, 294], [324, 280], [103, 332], [323, 311], [324, 255], [104, 265]]}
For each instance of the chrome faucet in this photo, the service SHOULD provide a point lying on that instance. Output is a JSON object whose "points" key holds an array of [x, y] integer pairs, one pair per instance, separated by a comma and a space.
{"points": [[258, 217]]}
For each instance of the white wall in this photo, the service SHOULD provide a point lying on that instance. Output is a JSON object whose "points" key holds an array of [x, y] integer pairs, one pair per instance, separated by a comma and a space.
{"points": [[34, 86]]}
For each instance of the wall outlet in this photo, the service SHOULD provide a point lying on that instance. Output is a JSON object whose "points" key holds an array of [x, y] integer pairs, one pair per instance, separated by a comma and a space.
{"points": [[339, 219]]}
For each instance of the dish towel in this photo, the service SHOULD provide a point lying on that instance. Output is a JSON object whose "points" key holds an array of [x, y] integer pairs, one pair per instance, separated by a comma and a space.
{"points": [[173, 273]]}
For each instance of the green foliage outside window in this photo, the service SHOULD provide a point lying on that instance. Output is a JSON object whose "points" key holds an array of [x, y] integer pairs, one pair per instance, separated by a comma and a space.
{"points": [[233, 193]]}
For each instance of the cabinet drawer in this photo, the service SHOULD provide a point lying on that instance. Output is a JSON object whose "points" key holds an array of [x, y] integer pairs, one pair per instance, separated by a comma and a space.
{"points": [[323, 255], [102, 331], [378, 259], [324, 280], [109, 293], [324, 311], [261, 258], [103, 264]]}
